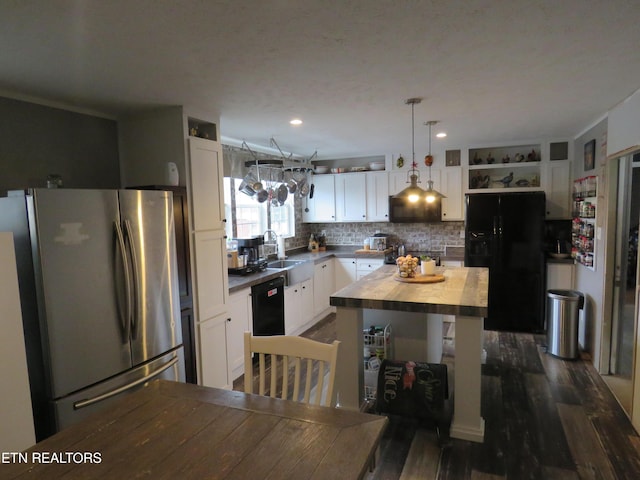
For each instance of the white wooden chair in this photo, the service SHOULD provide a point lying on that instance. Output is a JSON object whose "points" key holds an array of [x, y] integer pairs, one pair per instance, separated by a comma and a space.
{"points": [[283, 351]]}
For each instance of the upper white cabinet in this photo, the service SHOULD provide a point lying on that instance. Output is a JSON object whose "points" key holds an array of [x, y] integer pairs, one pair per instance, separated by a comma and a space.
{"points": [[322, 207], [452, 206], [351, 195], [377, 196], [558, 179], [204, 174]]}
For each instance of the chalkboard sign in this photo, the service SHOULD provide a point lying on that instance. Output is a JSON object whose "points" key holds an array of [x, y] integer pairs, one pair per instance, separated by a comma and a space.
{"points": [[412, 389]]}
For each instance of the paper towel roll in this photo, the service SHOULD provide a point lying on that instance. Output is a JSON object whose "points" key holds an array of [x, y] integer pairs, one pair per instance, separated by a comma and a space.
{"points": [[281, 253]]}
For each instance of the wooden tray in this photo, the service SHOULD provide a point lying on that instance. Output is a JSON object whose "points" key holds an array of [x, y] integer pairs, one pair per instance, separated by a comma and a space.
{"points": [[378, 252], [420, 278]]}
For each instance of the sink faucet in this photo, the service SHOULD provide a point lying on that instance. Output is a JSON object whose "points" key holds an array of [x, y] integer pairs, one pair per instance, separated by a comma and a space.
{"points": [[268, 234]]}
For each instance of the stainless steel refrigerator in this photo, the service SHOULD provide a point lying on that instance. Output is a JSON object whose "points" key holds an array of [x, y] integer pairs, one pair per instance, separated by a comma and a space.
{"points": [[505, 232], [99, 296]]}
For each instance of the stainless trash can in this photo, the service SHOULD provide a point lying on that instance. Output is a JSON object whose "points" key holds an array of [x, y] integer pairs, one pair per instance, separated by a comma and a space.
{"points": [[563, 308]]}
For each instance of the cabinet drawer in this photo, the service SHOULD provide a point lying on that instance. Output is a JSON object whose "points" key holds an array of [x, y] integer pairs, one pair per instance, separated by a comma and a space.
{"points": [[367, 264]]}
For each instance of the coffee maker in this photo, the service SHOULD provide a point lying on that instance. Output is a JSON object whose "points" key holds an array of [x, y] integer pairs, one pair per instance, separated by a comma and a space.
{"points": [[251, 253]]}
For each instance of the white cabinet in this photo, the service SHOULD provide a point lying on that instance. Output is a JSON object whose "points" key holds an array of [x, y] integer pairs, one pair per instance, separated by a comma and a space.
{"points": [[351, 194], [345, 272], [297, 314], [213, 352], [204, 175], [323, 286], [452, 206], [364, 266], [322, 207], [560, 276], [558, 197], [238, 321], [211, 286], [377, 196]]}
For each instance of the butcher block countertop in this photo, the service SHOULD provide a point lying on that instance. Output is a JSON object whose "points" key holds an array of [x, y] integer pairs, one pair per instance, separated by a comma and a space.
{"points": [[171, 430], [465, 291]]}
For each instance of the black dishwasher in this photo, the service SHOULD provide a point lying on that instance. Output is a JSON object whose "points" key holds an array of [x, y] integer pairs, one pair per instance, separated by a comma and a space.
{"points": [[267, 300]]}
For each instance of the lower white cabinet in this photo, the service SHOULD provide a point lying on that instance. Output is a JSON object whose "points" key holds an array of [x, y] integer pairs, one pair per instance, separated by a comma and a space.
{"points": [[323, 286], [297, 300], [345, 272], [238, 321], [213, 352], [560, 276], [364, 266]]}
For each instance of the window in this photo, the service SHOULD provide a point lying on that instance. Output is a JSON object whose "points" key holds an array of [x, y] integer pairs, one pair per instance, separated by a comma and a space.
{"points": [[252, 218]]}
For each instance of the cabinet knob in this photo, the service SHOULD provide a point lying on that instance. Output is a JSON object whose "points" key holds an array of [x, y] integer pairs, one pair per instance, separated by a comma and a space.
{"points": [[229, 319], [224, 220]]}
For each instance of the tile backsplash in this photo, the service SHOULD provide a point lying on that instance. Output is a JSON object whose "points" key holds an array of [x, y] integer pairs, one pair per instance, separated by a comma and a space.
{"points": [[415, 236]]}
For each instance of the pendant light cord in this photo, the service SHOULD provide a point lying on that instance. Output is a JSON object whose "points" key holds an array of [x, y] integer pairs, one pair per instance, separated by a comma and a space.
{"points": [[413, 140]]}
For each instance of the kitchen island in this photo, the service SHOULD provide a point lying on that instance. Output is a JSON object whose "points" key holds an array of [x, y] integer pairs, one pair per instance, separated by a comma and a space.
{"points": [[463, 293]]}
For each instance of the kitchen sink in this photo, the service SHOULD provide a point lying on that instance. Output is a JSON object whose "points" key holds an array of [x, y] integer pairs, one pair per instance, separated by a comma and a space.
{"points": [[283, 263], [296, 270]]}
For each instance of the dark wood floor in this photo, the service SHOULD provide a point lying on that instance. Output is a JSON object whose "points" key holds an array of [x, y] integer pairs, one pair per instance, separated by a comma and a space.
{"points": [[546, 418]]}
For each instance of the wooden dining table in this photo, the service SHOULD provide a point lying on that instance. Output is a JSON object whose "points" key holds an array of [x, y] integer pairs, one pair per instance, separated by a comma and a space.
{"points": [[171, 430]]}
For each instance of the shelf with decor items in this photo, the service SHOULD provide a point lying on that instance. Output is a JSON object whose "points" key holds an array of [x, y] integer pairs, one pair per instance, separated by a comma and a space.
{"points": [[583, 238], [512, 167]]}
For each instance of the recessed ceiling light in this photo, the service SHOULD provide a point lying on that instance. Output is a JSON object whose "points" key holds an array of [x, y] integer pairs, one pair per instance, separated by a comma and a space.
{"points": [[296, 121], [441, 135]]}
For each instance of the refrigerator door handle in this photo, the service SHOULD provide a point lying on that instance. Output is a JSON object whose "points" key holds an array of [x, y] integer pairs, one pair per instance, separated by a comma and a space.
{"points": [[125, 318], [98, 398], [136, 280]]}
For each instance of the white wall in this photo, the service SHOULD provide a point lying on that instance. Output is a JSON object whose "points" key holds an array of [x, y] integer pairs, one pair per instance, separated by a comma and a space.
{"points": [[624, 125], [15, 402]]}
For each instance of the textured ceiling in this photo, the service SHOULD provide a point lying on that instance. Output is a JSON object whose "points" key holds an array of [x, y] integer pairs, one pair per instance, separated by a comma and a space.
{"points": [[489, 71]]}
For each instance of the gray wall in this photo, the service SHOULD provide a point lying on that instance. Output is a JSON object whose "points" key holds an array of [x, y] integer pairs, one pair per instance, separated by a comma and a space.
{"points": [[589, 282], [36, 141]]}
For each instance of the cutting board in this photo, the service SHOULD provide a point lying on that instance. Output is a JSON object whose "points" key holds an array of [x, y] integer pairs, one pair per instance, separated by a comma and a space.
{"points": [[376, 252], [420, 278]]}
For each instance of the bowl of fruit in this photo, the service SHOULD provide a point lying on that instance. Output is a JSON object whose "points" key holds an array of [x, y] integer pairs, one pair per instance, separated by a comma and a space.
{"points": [[407, 266]]}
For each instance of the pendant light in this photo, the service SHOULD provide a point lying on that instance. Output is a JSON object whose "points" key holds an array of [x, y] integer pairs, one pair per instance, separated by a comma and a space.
{"points": [[431, 195], [413, 193]]}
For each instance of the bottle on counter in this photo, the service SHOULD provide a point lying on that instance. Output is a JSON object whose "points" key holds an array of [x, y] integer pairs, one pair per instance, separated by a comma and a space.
{"points": [[313, 243]]}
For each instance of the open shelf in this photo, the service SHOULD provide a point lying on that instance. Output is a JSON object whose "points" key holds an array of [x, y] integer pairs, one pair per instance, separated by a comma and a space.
{"points": [[510, 167]]}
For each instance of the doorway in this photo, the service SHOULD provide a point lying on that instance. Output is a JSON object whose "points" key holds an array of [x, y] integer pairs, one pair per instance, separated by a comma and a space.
{"points": [[624, 288]]}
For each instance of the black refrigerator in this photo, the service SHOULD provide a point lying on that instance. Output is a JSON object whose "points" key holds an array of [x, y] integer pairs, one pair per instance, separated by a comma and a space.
{"points": [[505, 232]]}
